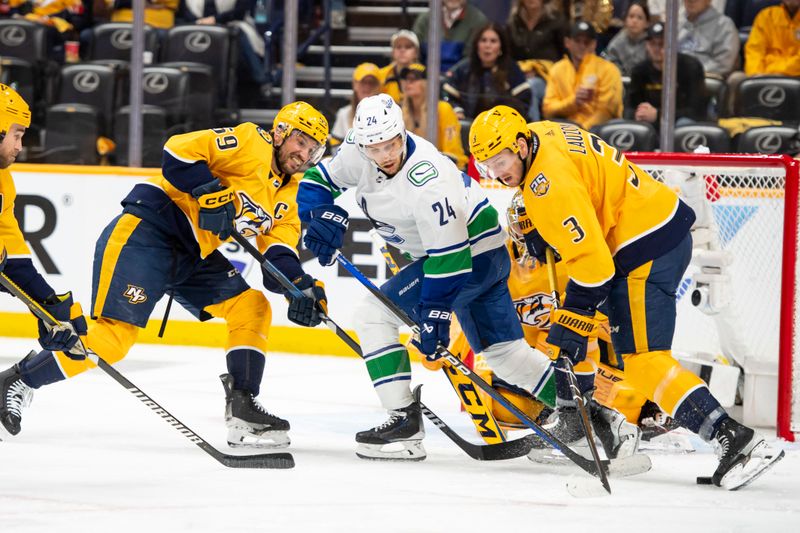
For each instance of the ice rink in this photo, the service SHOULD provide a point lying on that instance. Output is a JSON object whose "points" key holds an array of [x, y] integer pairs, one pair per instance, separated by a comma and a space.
{"points": [[91, 457]]}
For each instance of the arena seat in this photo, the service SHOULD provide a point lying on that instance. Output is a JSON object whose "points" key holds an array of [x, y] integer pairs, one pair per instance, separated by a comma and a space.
{"points": [[71, 134], [689, 137], [201, 93], [90, 84], [769, 140], [113, 41], [628, 135], [773, 97], [155, 133]]}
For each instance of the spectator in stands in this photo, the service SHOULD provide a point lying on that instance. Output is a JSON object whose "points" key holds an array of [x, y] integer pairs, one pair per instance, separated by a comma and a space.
{"points": [[488, 77], [709, 36], [644, 92], [583, 87], [536, 37], [233, 13], [64, 19], [460, 20], [658, 8], [415, 114], [774, 43], [627, 48], [405, 51], [366, 82], [160, 14], [743, 12]]}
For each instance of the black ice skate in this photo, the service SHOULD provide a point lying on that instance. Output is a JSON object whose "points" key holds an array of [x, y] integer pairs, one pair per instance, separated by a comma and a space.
{"points": [[398, 439], [14, 396], [565, 425], [249, 424], [743, 455]]}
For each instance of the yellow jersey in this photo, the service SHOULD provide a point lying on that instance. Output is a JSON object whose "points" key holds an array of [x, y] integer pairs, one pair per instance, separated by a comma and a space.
{"points": [[602, 213], [241, 158], [10, 233]]}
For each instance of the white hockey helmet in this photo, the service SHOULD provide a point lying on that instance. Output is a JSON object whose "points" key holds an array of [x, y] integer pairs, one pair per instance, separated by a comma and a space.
{"points": [[378, 119]]}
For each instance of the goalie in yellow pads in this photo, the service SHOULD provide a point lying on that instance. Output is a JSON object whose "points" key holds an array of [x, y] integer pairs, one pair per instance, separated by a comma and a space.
{"points": [[625, 242], [213, 182]]}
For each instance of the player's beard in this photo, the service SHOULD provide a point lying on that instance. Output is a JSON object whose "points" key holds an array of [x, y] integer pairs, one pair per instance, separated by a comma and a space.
{"points": [[288, 163]]}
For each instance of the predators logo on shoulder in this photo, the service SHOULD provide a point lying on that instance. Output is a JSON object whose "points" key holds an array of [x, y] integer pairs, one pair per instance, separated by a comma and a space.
{"points": [[252, 219]]}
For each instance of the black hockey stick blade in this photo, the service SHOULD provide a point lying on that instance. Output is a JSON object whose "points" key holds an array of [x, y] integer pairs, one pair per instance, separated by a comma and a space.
{"points": [[279, 460]]}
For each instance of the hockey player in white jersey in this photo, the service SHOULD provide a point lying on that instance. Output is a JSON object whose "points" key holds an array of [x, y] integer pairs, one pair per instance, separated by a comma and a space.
{"points": [[422, 204]]}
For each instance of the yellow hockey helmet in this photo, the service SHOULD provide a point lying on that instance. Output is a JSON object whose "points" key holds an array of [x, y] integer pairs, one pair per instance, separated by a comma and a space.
{"points": [[495, 130], [13, 109], [303, 117]]}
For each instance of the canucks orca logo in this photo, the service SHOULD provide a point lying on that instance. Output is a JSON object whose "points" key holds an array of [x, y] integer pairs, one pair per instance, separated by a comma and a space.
{"points": [[386, 231], [252, 219], [533, 311]]}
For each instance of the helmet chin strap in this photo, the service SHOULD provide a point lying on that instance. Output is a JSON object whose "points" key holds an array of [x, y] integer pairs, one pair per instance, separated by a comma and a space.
{"points": [[533, 147]]}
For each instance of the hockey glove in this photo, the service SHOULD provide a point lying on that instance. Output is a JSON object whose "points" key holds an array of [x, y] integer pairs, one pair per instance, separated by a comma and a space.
{"points": [[570, 332], [434, 328], [72, 325], [305, 310], [217, 212], [537, 247], [325, 233]]}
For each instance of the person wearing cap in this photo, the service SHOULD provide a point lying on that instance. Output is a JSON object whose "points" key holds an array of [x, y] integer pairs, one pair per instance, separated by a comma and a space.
{"points": [[583, 87], [460, 22], [366, 82], [644, 92], [413, 83], [489, 77], [405, 51]]}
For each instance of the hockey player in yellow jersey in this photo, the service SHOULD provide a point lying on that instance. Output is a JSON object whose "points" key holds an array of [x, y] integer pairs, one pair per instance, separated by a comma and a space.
{"points": [[213, 182], [625, 243], [16, 264]]}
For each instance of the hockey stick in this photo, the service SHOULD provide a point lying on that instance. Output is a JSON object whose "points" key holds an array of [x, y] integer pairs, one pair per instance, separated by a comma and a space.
{"points": [[573, 382], [485, 423], [265, 460], [589, 466], [489, 452]]}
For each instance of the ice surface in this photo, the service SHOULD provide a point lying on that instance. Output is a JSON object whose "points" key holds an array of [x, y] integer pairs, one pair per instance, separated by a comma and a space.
{"points": [[91, 458]]}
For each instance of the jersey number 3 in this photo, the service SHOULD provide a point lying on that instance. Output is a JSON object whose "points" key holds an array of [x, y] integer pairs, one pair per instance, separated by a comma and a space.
{"points": [[572, 225]]}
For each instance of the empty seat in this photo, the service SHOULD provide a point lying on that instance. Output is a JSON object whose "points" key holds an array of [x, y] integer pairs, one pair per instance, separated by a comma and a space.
{"points": [[628, 135], [167, 88], [209, 45], [71, 134], [769, 140], [154, 134], [113, 41], [773, 97], [90, 84], [20, 74], [688, 138], [201, 94], [24, 40]]}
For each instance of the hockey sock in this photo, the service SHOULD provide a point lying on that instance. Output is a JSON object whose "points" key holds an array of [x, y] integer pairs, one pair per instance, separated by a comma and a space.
{"points": [[701, 413], [40, 369], [247, 367], [564, 396]]}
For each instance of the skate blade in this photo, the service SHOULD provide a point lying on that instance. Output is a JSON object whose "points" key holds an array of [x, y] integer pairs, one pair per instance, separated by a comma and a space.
{"points": [[266, 440], [668, 443], [745, 473], [550, 456], [617, 468], [393, 451]]}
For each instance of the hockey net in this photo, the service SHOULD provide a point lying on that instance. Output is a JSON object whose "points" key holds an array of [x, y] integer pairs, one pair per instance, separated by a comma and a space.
{"points": [[753, 202]]}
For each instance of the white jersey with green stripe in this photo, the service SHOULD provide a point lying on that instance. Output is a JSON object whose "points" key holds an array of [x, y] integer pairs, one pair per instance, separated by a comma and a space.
{"points": [[429, 208]]}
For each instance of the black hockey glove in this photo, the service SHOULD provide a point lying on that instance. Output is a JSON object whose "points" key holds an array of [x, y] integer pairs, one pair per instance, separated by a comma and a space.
{"points": [[217, 212], [305, 310], [325, 233], [570, 332], [537, 247], [72, 325]]}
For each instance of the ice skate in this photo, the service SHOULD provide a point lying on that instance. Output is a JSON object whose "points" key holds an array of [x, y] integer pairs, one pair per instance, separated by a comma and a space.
{"points": [[619, 437], [249, 424], [743, 455], [565, 425], [14, 396], [397, 439]]}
